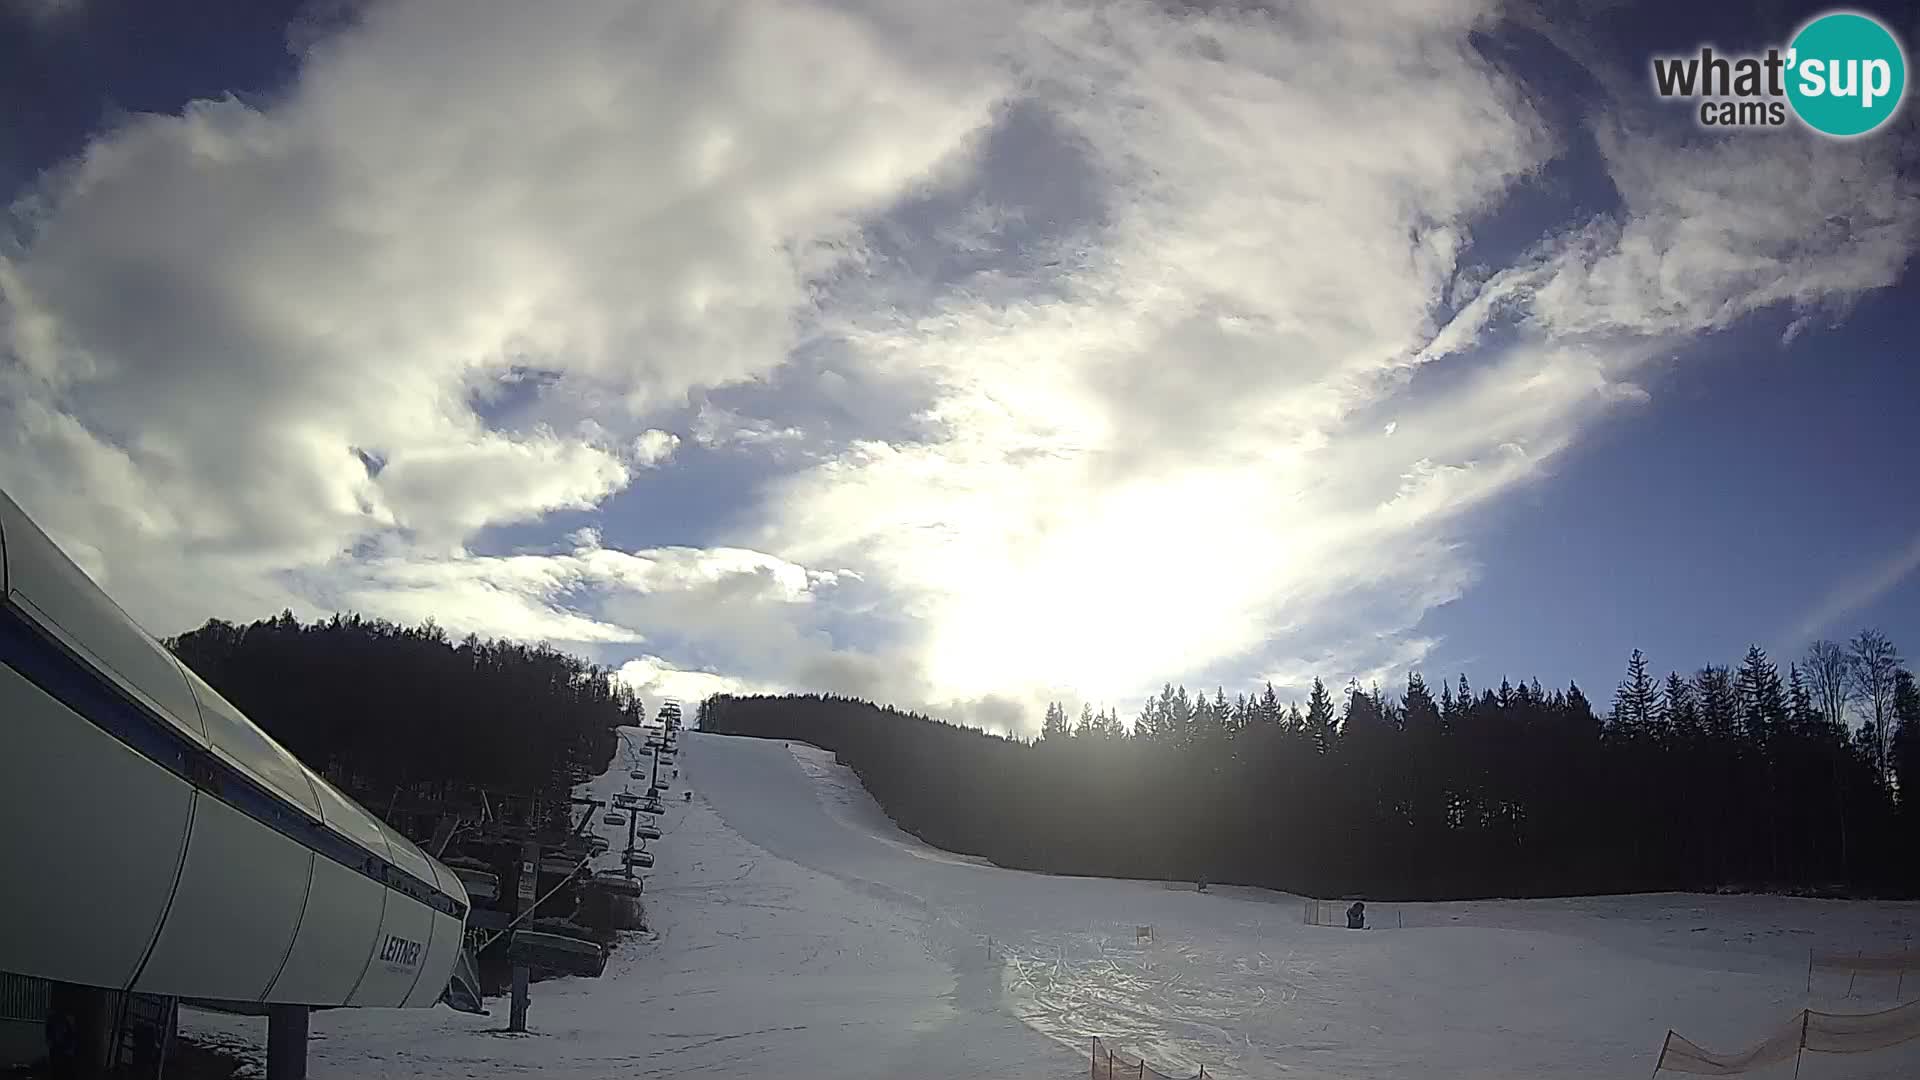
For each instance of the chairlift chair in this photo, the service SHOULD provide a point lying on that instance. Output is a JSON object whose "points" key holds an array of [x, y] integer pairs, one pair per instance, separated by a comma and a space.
{"points": [[642, 859], [615, 819]]}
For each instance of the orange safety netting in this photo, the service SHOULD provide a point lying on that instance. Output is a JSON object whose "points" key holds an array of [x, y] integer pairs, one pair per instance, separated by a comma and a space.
{"points": [[1108, 1065], [1885, 963]]}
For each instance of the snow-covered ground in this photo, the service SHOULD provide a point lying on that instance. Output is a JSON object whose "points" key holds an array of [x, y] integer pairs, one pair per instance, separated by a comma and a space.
{"points": [[797, 932]]}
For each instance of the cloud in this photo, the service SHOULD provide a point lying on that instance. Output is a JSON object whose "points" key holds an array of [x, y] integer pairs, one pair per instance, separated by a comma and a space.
{"points": [[522, 597], [654, 447], [1713, 232], [270, 332], [1858, 591], [1157, 468], [736, 619], [657, 679], [1154, 472], [1048, 347], [718, 427], [44, 12]]}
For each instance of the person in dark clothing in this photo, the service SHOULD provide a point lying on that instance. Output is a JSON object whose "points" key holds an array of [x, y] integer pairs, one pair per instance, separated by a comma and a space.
{"points": [[1357, 916]]}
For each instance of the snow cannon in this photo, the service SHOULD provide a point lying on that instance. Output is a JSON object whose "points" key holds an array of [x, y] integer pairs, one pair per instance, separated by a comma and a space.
{"points": [[158, 842]]}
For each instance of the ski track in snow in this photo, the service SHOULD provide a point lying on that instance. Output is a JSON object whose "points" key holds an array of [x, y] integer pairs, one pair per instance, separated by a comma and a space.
{"points": [[795, 931]]}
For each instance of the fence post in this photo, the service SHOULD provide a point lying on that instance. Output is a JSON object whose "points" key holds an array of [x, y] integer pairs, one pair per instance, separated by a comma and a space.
{"points": [[1095, 1073], [1800, 1054], [1900, 984]]}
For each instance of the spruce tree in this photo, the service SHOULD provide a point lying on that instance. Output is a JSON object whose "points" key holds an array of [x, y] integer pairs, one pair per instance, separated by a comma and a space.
{"points": [[1269, 712], [1802, 719], [1422, 714], [1319, 718], [1905, 747], [1763, 706], [1682, 717], [1054, 727], [1179, 719], [1634, 712], [1718, 704]]}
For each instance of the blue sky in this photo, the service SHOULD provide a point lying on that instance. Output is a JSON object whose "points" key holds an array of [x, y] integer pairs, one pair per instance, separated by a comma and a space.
{"points": [[962, 358]]}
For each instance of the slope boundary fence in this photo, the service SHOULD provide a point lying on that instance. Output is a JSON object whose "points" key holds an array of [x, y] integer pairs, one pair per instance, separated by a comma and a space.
{"points": [[1334, 913], [1903, 966], [1108, 1065], [1819, 1032]]}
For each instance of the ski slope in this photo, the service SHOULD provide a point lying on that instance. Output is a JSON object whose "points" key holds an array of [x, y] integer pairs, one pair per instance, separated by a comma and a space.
{"points": [[797, 932]]}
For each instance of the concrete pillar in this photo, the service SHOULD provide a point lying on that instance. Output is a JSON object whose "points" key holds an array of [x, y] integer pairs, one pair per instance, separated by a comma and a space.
{"points": [[517, 1017], [287, 1042], [529, 875], [80, 1029]]}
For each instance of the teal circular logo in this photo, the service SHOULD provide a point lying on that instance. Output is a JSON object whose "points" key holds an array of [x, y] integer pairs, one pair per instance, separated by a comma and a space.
{"points": [[1846, 74]]}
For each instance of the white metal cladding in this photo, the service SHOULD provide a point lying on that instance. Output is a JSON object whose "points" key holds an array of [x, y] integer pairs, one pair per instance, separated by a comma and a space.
{"points": [[225, 867], [336, 940], [390, 976], [63, 599], [235, 912], [421, 988], [235, 738], [408, 857], [444, 947], [349, 818], [93, 843]]}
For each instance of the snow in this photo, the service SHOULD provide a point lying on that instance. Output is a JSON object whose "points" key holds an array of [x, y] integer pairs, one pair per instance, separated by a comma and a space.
{"points": [[797, 932]]}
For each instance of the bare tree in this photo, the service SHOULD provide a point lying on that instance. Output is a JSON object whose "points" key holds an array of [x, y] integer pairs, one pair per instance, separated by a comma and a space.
{"points": [[1828, 675], [1874, 662]]}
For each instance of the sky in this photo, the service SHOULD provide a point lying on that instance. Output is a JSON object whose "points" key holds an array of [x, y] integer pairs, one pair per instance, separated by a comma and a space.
{"points": [[961, 356]]}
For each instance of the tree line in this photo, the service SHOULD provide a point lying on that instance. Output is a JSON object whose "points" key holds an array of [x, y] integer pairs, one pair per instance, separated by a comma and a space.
{"points": [[1731, 776], [384, 709]]}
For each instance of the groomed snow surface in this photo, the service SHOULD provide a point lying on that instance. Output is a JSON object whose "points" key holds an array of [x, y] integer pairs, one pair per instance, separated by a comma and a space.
{"points": [[796, 932]]}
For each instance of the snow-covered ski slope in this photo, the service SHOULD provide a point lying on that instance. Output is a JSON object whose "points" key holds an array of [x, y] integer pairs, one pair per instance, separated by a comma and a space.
{"points": [[798, 933]]}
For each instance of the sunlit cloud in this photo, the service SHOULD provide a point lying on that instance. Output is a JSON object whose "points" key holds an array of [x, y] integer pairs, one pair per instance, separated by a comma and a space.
{"points": [[1043, 350], [654, 447]]}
